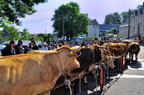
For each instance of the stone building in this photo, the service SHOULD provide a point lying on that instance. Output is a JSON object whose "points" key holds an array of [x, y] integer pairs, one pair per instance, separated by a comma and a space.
{"points": [[136, 25]]}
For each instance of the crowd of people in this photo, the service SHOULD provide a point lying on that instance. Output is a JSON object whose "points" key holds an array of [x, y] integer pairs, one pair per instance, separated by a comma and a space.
{"points": [[13, 48]]}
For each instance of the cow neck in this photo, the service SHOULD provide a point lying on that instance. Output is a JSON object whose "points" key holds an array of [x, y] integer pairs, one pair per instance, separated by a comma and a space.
{"points": [[62, 70], [67, 82], [93, 55]]}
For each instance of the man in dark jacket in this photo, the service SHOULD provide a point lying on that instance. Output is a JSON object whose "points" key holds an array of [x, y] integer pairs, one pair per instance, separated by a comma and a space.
{"points": [[19, 48], [34, 46], [9, 50]]}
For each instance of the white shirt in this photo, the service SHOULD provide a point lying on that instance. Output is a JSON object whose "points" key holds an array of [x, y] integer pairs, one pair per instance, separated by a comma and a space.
{"points": [[44, 48]]}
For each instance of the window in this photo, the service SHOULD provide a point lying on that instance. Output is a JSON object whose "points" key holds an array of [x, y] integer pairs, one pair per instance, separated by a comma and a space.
{"points": [[133, 29], [93, 26]]}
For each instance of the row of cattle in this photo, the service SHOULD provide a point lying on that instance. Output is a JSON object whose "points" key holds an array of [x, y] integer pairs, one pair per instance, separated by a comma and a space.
{"points": [[32, 73]]}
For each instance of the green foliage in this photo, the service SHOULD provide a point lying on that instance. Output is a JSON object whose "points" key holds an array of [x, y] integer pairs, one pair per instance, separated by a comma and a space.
{"points": [[94, 38], [14, 9], [25, 35], [1, 32], [68, 21], [45, 37], [138, 7], [112, 31], [113, 19], [124, 16], [13, 33]]}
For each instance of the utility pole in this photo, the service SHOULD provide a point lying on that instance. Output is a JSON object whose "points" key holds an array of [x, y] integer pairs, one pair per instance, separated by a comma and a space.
{"points": [[63, 29], [45, 32], [129, 24]]}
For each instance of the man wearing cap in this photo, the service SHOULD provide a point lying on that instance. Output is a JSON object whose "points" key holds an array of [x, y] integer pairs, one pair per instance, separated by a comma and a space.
{"points": [[19, 49], [45, 47]]}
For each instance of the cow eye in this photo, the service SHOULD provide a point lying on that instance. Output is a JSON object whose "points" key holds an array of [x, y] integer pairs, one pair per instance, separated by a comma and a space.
{"points": [[75, 54]]}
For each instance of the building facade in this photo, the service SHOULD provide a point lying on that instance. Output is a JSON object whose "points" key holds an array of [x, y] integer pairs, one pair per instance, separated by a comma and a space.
{"points": [[98, 30], [93, 29], [136, 25]]}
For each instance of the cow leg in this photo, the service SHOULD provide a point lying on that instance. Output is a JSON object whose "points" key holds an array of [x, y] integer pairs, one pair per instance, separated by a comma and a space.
{"points": [[136, 57], [130, 56], [74, 87]]}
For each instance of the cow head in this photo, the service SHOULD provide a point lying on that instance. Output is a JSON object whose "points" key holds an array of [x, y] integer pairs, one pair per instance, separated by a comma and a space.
{"points": [[67, 57], [116, 49], [127, 42], [107, 58]]}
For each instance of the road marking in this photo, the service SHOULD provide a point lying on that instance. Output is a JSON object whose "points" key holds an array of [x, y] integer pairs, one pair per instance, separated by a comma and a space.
{"points": [[140, 59], [131, 76], [129, 68]]}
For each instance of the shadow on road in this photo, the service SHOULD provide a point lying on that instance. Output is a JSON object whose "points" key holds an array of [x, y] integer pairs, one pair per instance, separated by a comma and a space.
{"points": [[133, 64]]}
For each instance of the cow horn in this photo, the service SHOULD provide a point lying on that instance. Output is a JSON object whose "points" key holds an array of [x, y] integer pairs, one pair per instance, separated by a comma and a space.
{"points": [[75, 48], [101, 47], [116, 57]]}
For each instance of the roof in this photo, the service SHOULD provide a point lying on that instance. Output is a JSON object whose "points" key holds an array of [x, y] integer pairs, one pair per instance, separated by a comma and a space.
{"points": [[103, 27], [94, 22]]}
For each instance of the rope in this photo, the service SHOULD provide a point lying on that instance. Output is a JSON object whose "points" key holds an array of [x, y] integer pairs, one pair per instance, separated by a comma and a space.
{"points": [[67, 82], [95, 76]]}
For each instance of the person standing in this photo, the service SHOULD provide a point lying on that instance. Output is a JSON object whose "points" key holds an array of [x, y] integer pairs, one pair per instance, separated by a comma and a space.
{"points": [[9, 49], [19, 48], [83, 43], [34, 46], [44, 47], [26, 49]]}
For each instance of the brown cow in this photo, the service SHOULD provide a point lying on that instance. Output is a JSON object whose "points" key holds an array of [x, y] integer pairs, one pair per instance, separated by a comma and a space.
{"points": [[107, 58], [117, 48], [134, 48], [30, 74], [40, 51]]}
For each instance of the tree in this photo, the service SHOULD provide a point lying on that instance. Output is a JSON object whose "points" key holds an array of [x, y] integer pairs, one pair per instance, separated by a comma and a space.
{"points": [[113, 19], [45, 37], [112, 31], [1, 32], [138, 7], [69, 22], [13, 33], [49, 37], [108, 19], [25, 34], [124, 16], [14, 9]]}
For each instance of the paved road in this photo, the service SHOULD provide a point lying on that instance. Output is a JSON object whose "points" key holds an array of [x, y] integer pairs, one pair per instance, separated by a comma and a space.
{"points": [[131, 81]]}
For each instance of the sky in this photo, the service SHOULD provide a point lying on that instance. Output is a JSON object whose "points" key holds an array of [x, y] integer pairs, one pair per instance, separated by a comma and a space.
{"points": [[40, 22]]}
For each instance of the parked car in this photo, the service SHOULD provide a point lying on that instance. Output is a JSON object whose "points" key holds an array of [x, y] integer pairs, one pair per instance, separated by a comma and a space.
{"points": [[73, 40], [3, 45]]}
